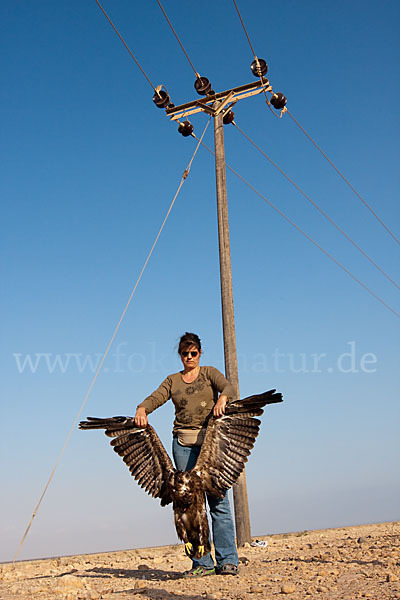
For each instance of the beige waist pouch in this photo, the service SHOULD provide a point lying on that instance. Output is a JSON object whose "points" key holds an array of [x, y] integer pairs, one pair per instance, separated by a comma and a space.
{"points": [[190, 437]]}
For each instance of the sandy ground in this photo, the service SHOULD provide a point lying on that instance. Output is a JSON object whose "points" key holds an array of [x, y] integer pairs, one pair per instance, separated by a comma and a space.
{"points": [[345, 563]]}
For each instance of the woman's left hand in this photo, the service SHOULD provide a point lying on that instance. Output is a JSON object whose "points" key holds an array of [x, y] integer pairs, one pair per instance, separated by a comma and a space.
{"points": [[219, 407]]}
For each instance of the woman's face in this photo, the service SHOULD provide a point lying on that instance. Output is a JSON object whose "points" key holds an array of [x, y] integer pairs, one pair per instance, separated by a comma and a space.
{"points": [[190, 357]]}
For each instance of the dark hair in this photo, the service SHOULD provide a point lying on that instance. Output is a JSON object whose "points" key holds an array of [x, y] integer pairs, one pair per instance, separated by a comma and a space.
{"points": [[187, 340]]}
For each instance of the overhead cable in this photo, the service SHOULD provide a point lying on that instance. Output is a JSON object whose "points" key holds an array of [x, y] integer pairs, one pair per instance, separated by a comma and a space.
{"points": [[305, 234], [177, 37], [317, 207], [183, 178], [257, 61], [244, 29], [344, 178], [124, 43], [311, 139]]}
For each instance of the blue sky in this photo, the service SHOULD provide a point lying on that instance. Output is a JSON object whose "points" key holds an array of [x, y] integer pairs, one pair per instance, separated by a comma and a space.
{"points": [[89, 168]]}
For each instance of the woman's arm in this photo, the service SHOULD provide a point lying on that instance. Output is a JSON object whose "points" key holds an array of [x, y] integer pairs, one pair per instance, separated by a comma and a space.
{"points": [[219, 406], [141, 417], [220, 383], [224, 387], [156, 399]]}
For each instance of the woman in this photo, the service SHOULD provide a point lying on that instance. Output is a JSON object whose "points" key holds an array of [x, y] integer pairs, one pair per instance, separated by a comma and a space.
{"points": [[197, 393]]}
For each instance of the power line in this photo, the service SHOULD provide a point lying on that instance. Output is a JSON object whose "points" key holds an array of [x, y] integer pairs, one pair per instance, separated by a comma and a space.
{"points": [[244, 29], [124, 43], [183, 178], [317, 207], [344, 178], [177, 37], [257, 62], [305, 234], [311, 139]]}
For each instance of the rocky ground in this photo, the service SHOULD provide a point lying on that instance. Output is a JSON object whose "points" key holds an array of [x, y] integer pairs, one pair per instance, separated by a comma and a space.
{"points": [[345, 563]]}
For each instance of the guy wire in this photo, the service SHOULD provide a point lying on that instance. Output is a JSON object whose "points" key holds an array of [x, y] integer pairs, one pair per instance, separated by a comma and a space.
{"points": [[183, 178]]}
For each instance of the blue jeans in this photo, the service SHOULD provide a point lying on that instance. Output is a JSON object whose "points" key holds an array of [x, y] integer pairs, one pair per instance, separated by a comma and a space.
{"points": [[222, 524]]}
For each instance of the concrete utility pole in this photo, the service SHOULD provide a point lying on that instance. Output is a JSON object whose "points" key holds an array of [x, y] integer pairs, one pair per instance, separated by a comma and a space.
{"points": [[218, 106]]}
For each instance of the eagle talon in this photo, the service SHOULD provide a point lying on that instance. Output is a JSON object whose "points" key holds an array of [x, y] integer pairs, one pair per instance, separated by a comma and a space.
{"points": [[189, 549]]}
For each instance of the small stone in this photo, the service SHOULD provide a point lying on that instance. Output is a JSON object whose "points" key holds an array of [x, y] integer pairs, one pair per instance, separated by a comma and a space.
{"points": [[244, 560], [256, 590], [322, 588], [88, 595], [246, 545], [14, 589], [391, 577], [70, 581], [324, 557], [288, 588], [140, 584], [362, 540]]}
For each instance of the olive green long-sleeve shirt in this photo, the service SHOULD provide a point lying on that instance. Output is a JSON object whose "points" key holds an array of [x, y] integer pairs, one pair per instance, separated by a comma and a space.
{"points": [[193, 401]]}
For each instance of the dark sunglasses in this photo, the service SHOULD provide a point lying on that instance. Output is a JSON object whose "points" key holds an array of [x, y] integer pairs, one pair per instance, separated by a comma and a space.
{"points": [[186, 354]]}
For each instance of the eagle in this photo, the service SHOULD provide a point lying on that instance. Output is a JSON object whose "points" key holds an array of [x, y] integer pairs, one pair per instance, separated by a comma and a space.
{"points": [[227, 444]]}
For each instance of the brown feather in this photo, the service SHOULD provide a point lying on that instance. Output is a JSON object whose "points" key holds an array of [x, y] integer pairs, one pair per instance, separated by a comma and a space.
{"points": [[229, 441], [224, 452]]}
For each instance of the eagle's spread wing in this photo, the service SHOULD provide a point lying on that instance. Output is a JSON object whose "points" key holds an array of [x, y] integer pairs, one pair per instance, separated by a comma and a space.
{"points": [[229, 440], [142, 451]]}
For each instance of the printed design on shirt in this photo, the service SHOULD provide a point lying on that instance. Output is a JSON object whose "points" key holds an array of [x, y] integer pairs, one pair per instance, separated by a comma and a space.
{"points": [[185, 418], [197, 386], [181, 403]]}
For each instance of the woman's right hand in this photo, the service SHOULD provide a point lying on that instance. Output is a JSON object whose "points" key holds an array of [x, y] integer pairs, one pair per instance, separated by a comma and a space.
{"points": [[141, 417]]}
